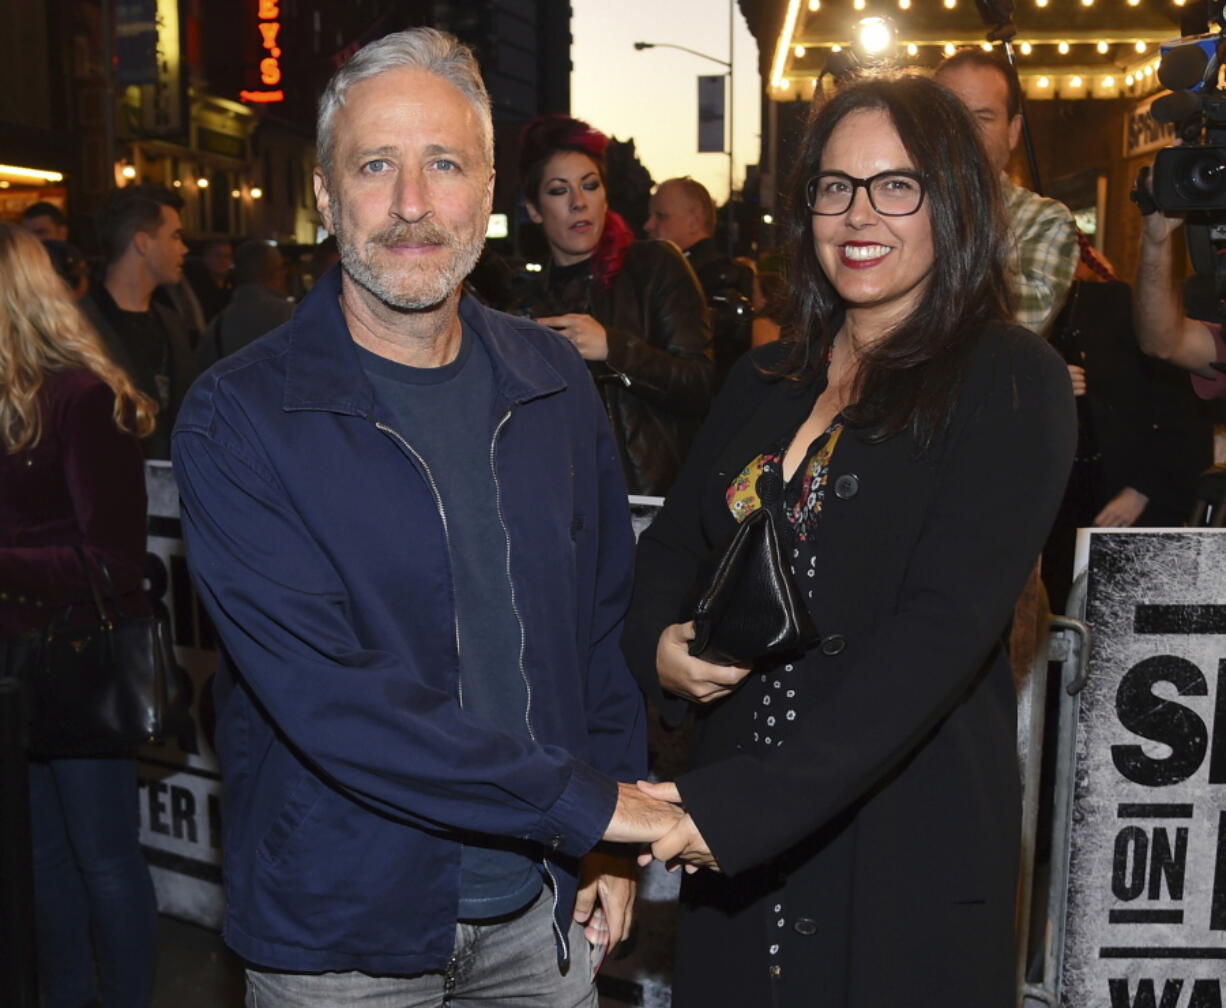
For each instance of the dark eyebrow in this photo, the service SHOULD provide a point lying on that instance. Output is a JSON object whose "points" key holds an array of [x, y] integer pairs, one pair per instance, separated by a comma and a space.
{"points": [[584, 178]]}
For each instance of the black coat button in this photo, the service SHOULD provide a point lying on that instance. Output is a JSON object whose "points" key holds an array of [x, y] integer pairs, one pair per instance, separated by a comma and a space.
{"points": [[805, 926], [847, 486], [833, 644]]}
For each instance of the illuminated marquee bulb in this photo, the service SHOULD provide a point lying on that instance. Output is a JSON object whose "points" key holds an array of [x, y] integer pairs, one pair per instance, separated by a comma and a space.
{"points": [[235, 193], [858, 4], [815, 5], [799, 51], [1102, 48], [1087, 3], [128, 171], [949, 49], [203, 183], [951, 4], [1043, 82], [256, 192], [912, 49], [1062, 48], [987, 46], [904, 4], [836, 48], [1108, 82], [1025, 48], [1075, 82], [1129, 80], [1040, 3], [1140, 47]]}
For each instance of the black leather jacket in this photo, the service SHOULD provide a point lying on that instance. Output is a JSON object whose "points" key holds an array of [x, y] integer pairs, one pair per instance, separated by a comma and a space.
{"points": [[657, 382]]}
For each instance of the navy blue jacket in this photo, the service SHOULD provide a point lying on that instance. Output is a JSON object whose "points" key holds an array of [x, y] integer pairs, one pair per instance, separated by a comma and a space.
{"points": [[351, 769]]}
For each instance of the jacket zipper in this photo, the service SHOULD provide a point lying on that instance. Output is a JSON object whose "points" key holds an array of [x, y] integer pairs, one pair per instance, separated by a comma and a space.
{"points": [[523, 674], [442, 513]]}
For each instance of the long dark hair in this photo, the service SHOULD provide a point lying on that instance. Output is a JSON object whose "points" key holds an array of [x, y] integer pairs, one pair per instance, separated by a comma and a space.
{"points": [[908, 379], [548, 135]]}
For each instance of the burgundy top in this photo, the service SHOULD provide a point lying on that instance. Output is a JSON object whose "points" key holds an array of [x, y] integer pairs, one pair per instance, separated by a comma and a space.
{"points": [[82, 484]]}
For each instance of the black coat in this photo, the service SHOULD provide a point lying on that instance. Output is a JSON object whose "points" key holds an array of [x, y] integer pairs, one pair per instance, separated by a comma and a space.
{"points": [[887, 826], [658, 379]]}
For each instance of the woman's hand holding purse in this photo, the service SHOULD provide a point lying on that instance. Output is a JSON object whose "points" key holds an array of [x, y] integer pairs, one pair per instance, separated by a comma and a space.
{"points": [[692, 678]]}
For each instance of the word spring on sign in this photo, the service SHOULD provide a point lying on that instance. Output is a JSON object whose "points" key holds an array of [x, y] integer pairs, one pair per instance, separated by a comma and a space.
{"points": [[1147, 864]]}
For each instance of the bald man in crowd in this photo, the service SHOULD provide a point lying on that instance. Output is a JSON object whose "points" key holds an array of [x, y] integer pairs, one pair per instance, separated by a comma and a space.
{"points": [[683, 213]]}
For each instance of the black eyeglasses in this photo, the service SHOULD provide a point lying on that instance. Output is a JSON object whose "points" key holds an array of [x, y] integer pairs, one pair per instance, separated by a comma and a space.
{"points": [[892, 194]]}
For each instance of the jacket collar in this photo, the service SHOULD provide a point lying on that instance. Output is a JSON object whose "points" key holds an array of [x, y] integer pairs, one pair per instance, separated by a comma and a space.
{"points": [[323, 371]]}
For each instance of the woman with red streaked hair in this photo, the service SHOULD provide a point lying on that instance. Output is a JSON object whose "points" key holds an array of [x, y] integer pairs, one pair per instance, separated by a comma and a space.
{"points": [[633, 309]]}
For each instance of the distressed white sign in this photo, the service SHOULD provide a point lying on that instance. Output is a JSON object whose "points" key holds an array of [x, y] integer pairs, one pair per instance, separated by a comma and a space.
{"points": [[1146, 923], [180, 799]]}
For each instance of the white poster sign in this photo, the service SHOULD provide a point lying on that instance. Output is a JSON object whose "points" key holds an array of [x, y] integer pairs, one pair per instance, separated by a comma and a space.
{"points": [[1146, 922], [180, 807]]}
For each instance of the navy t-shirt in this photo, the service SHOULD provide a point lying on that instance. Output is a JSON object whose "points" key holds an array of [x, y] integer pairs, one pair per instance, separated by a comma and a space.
{"points": [[446, 414]]}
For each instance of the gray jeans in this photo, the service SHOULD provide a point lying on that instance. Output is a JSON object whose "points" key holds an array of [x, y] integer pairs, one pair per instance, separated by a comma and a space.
{"points": [[512, 963]]}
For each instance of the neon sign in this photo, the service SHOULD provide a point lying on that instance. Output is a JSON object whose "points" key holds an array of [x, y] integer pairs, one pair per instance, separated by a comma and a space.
{"points": [[269, 25]]}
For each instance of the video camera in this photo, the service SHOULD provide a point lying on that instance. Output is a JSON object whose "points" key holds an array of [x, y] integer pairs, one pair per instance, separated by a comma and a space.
{"points": [[1192, 177]]}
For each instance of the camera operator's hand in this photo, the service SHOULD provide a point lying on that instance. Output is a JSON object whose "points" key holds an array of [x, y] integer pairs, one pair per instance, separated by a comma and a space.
{"points": [[1162, 328], [1157, 224]]}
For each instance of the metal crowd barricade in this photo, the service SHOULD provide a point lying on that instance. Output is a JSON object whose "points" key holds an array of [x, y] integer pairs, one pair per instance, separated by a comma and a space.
{"points": [[18, 983], [1039, 970]]}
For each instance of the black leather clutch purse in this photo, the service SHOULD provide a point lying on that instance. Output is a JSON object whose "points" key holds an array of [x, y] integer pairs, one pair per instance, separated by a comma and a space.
{"points": [[746, 604]]}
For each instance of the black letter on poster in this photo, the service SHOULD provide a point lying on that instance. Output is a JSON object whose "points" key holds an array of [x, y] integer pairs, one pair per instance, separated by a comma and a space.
{"points": [[1217, 757], [1206, 994], [1164, 863], [1125, 885], [1217, 913], [1144, 713], [1145, 994]]}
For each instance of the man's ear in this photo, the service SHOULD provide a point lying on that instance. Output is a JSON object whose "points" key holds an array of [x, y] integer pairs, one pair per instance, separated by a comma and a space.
{"points": [[323, 201], [140, 242], [1015, 132]]}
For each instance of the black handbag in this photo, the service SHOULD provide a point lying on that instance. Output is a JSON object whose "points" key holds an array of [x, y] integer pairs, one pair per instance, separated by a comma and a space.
{"points": [[746, 605], [103, 689]]}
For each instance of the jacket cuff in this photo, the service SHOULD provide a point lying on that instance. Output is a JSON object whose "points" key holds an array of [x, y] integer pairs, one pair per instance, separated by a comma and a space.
{"points": [[581, 814], [710, 792]]}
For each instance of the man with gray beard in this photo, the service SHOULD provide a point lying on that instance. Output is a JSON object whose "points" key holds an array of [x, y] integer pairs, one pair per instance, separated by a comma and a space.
{"points": [[406, 516]]}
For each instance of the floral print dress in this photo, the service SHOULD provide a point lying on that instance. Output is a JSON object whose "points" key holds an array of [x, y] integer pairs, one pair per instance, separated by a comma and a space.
{"points": [[796, 506]]}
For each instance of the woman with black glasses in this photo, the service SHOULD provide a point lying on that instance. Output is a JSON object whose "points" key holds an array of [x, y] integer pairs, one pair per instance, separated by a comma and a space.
{"points": [[853, 810]]}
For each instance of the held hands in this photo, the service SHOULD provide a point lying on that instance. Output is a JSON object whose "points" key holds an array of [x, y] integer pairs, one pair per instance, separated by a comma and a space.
{"points": [[652, 813], [683, 844], [639, 817], [588, 335], [692, 678]]}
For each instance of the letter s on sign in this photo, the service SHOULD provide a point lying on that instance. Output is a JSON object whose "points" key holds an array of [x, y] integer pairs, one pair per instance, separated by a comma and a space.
{"points": [[1145, 713]]}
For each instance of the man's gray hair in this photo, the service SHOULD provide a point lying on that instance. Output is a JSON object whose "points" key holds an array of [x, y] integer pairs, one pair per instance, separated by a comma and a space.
{"points": [[419, 48]]}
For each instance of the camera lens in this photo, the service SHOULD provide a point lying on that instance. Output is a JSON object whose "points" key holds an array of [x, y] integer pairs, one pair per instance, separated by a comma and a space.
{"points": [[1203, 178]]}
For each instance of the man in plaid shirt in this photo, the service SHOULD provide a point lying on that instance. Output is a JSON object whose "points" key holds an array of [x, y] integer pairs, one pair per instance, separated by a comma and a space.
{"points": [[1044, 237]]}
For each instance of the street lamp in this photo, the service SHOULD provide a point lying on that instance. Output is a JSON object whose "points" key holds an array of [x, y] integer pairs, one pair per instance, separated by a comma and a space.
{"points": [[727, 65]]}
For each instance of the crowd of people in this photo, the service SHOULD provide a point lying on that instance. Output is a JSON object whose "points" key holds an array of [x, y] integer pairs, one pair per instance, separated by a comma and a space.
{"points": [[406, 513]]}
